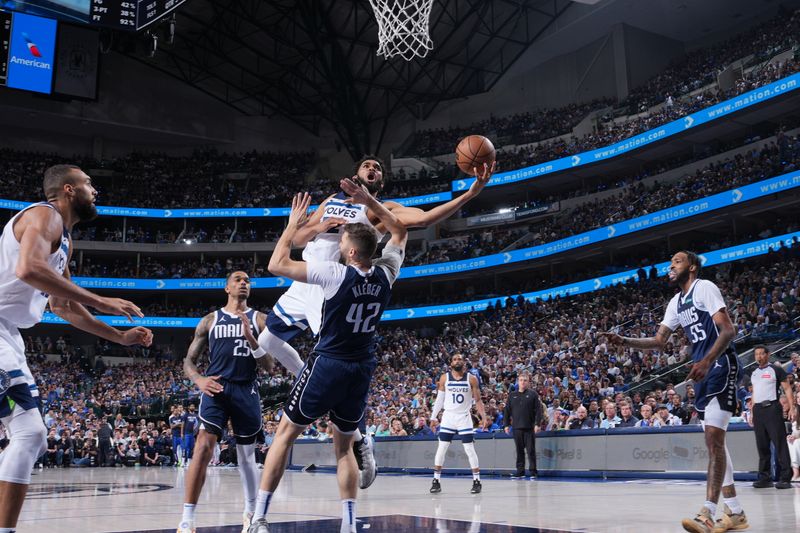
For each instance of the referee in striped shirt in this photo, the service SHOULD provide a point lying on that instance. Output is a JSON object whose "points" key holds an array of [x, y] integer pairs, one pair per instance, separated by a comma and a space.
{"points": [[768, 424]]}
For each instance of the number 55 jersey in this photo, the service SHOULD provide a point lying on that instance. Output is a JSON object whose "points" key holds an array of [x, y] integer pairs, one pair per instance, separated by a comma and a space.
{"points": [[694, 312]]}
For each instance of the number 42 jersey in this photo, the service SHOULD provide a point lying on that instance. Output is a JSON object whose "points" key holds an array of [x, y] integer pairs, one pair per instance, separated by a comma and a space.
{"points": [[693, 312], [354, 303]]}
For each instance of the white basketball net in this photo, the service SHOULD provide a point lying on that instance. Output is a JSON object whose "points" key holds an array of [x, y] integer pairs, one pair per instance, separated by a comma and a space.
{"points": [[403, 27]]}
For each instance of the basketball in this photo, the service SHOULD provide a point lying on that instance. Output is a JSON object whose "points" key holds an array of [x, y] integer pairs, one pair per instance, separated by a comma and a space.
{"points": [[473, 151]]}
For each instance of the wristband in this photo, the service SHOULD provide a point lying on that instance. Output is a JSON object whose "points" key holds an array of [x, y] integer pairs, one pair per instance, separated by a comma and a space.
{"points": [[259, 352]]}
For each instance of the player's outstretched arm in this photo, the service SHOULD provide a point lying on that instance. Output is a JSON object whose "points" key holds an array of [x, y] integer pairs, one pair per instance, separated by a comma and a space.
{"points": [[207, 384], [80, 317], [656, 342], [414, 217], [37, 230], [390, 221], [281, 263]]}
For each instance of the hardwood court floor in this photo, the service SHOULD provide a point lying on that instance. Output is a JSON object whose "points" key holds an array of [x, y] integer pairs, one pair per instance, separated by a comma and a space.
{"points": [[126, 500]]}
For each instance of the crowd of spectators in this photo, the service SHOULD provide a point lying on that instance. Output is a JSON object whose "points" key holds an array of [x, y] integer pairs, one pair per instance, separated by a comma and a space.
{"points": [[677, 88], [633, 200], [207, 178], [583, 381]]}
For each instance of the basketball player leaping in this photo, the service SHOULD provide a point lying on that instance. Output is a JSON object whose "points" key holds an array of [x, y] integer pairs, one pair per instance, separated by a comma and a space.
{"points": [[35, 249], [229, 391], [700, 309], [457, 391], [300, 307], [337, 375]]}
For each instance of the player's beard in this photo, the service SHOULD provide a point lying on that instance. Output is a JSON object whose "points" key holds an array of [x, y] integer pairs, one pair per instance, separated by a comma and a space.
{"points": [[458, 368], [86, 211], [680, 279], [374, 188]]}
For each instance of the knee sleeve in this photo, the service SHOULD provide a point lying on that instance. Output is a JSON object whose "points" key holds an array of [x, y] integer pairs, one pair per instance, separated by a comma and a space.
{"points": [[472, 455], [728, 479], [27, 441], [281, 351], [441, 451], [246, 457]]}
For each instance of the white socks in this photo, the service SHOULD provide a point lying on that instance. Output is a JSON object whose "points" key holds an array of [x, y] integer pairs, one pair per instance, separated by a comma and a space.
{"points": [[733, 504], [348, 516], [437, 474], [262, 504], [282, 351], [712, 507], [476, 476], [249, 474], [188, 512]]}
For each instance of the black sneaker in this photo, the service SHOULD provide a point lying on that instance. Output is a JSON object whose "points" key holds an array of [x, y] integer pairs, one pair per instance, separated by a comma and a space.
{"points": [[476, 487], [763, 484], [783, 485], [436, 487], [518, 475]]}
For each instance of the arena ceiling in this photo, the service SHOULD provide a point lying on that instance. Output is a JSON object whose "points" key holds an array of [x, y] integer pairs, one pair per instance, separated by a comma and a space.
{"points": [[314, 60]]}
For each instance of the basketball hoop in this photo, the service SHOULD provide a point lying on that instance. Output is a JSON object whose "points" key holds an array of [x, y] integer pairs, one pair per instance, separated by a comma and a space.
{"points": [[403, 27]]}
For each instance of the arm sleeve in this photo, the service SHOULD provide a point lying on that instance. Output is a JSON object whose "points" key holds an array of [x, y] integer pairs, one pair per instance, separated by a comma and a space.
{"points": [[709, 297], [671, 314], [439, 404], [327, 274], [391, 260]]}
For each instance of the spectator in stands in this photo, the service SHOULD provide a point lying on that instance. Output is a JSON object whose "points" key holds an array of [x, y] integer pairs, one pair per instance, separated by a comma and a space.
{"points": [[627, 419]]}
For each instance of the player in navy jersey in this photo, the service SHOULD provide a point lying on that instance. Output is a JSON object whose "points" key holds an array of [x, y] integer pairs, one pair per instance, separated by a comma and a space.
{"points": [[336, 377], [229, 392], [189, 430], [300, 307], [701, 311]]}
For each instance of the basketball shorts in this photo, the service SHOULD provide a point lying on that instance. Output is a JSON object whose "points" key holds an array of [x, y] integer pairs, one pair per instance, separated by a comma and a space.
{"points": [[456, 424], [298, 309], [331, 386], [240, 403], [17, 386], [719, 383]]}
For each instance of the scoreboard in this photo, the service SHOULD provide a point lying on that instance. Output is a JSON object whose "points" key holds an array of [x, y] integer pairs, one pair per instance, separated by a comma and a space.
{"points": [[128, 15], [5, 45], [132, 15]]}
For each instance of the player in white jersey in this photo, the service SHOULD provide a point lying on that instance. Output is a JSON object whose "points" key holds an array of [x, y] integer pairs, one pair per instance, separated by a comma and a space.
{"points": [[457, 392], [35, 249], [300, 307]]}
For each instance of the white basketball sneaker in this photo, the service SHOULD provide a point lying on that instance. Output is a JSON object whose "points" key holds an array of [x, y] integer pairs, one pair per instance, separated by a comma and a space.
{"points": [[365, 457]]}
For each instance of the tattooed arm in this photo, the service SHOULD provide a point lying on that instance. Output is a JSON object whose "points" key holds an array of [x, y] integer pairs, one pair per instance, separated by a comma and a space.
{"points": [[207, 384]]}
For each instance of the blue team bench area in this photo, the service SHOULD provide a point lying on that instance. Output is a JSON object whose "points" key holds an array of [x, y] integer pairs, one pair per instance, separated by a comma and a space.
{"points": [[675, 453]]}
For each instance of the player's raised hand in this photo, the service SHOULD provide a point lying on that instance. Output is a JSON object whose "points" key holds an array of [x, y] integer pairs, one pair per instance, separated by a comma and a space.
{"points": [[358, 193], [330, 223], [137, 335], [209, 385], [247, 328], [482, 177], [300, 204], [118, 306]]}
